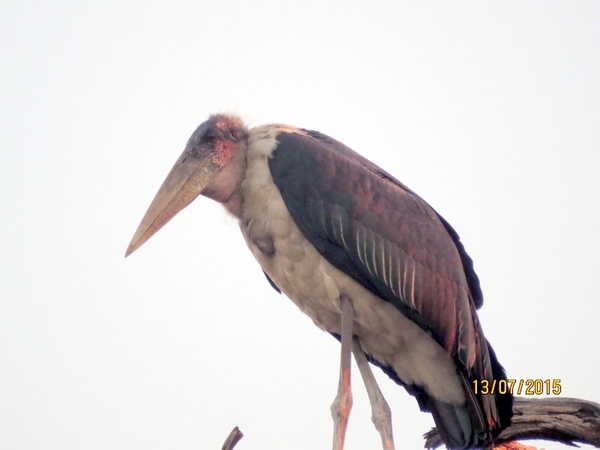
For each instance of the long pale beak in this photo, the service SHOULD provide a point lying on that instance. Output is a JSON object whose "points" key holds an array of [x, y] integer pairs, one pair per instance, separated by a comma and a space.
{"points": [[187, 179]]}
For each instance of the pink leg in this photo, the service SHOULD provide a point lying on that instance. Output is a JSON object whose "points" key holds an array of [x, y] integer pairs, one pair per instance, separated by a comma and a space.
{"points": [[340, 409], [381, 414]]}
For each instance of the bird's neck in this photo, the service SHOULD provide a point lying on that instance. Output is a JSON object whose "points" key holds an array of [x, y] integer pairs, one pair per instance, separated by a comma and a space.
{"points": [[226, 186]]}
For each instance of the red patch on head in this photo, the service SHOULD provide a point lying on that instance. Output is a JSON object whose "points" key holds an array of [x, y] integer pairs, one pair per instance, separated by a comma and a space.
{"points": [[223, 153], [223, 121]]}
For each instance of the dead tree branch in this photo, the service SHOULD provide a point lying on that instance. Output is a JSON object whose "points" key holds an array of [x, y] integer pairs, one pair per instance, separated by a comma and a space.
{"points": [[565, 420], [233, 438]]}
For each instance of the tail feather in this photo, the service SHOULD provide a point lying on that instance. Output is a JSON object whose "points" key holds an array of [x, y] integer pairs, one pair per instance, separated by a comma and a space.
{"points": [[454, 425], [504, 402], [461, 426], [477, 422]]}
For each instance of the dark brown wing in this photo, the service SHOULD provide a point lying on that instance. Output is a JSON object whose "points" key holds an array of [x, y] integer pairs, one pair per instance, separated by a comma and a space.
{"points": [[371, 227]]}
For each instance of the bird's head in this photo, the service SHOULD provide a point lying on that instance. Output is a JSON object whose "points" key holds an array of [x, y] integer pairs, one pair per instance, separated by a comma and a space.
{"points": [[212, 164]]}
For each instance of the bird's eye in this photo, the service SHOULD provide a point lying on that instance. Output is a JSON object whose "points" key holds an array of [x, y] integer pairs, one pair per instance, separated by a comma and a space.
{"points": [[234, 134], [210, 137]]}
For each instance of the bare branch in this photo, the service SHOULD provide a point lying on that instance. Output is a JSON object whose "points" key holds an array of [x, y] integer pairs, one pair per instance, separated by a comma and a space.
{"points": [[565, 420], [233, 438]]}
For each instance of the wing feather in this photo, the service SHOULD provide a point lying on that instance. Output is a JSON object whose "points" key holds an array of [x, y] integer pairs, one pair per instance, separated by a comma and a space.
{"points": [[369, 225]]}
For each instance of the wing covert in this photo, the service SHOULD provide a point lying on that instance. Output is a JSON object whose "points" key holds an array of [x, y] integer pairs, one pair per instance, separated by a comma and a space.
{"points": [[367, 224], [373, 228]]}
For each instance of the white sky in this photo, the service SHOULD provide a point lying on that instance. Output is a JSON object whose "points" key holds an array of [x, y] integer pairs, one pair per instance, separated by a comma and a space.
{"points": [[490, 111]]}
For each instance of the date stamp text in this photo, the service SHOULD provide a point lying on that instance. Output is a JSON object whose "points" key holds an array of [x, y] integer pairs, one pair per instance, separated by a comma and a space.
{"points": [[518, 387]]}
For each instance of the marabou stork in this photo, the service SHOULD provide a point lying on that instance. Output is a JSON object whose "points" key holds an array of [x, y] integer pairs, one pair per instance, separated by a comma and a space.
{"points": [[362, 255]]}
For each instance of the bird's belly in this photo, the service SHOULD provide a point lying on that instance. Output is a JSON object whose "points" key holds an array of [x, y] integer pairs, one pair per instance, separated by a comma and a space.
{"points": [[385, 334]]}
